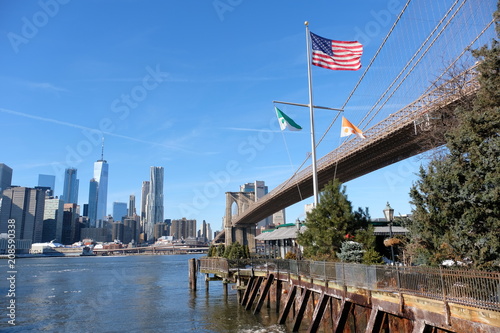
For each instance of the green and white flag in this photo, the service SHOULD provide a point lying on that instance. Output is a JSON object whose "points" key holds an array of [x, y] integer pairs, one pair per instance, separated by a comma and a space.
{"points": [[286, 122]]}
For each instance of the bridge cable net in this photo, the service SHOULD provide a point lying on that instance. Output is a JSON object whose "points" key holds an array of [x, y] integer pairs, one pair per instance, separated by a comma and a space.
{"points": [[366, 71], [427, 42], [460, 24]]}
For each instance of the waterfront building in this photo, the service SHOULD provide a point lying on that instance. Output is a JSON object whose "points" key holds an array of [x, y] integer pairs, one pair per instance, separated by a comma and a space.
{"points": [[209, 233], [117, 231], [101, 169], [279, 218], [21, 245], [204, 231], [47, 181], [160, 230], [84, 222], [46, 190], [130, 231], [52, 220], [260, 189], [100, 235], [70, 189], [154, 201], [71, 229], [26, 206], [308, 208], [92, 205], [131, 206], [5, 177], [277, 242], [119, 210], [183, 228], [85, 210], [144, 196]]}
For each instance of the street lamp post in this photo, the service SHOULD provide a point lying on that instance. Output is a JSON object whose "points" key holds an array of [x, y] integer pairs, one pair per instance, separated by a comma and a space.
{"points": [[389, 216]]}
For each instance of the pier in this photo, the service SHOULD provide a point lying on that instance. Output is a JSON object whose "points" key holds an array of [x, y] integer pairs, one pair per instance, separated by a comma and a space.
{"points": [[339, 297]]}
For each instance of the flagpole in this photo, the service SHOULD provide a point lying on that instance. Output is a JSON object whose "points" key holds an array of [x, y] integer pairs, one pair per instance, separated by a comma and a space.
{"points": [[307, 105], [311, 112]]}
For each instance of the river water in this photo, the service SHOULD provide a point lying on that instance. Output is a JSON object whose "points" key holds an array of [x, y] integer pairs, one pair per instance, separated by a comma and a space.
{"points": [[121, 294]]}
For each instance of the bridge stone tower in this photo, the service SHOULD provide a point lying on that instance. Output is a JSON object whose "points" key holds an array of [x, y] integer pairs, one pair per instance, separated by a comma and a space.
{"points": [[244, 235]]}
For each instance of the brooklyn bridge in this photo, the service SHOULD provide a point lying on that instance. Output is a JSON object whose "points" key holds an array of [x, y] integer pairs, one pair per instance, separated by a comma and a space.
{"points": [[408, 103]]}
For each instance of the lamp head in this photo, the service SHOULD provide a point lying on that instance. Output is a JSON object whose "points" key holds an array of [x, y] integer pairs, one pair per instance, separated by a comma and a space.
{"points": [[389, 212]]}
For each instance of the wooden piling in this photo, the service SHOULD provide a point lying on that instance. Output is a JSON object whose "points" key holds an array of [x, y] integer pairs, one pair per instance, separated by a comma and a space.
{"points": [[255, 292], [345, 308], [319, 310], [192, 273], [288, 305], [267, 286], [302, 309], [279, 290], [248, 291]]}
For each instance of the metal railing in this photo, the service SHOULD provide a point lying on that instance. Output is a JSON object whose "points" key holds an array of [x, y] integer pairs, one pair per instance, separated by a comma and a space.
{"points": [[469, 287]]}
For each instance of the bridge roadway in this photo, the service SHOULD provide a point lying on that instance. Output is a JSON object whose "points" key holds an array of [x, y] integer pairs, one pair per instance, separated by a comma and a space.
{"points": [[401, 135]]}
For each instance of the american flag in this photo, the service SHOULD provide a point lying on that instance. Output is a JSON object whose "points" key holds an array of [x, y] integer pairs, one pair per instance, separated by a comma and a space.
{"points": [[336, 55]]}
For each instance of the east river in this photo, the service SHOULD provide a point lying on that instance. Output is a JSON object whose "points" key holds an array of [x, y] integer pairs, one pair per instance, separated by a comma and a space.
{"points": [[147, 293]]}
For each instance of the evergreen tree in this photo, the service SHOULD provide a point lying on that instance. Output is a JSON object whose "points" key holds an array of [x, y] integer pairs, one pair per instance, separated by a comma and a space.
{"points": [[371, 257], [351, 252], [220, 250], [246, 253], [456, 199], [366, 236], [235, 251], [212, 251], [330, 223]]}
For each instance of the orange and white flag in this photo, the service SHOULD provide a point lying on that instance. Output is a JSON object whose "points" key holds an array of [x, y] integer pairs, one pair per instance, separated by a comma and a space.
{"points": [[348, 129]]}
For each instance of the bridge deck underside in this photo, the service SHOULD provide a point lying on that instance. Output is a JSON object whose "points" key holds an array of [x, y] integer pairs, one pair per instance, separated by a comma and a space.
{"points": [[392, 148]]}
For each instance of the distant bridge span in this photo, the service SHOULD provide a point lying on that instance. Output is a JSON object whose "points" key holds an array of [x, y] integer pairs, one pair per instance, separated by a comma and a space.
{"points": [[401, 135]]}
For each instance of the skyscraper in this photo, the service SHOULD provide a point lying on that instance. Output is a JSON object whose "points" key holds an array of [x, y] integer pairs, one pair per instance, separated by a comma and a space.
{"points": [[101, 177], [71, 229], [183, 228], [5, 177], [47, 181], [25, 206], [119, 211], [131, 206], [144, 196], [92, 207], [70, 190], [154, 201], [53, 220], [98, 192], [279, 217], [260, 189]]}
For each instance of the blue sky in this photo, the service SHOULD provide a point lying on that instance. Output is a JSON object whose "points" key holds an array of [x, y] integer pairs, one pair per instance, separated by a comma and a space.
{"points": [[187, 85]]}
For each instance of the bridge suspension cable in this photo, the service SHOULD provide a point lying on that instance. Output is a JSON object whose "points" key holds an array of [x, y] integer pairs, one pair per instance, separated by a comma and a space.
{"points": [[398, 81], [366, 69], [451, 31], [414, 64]]}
